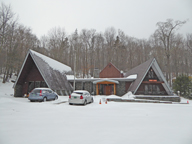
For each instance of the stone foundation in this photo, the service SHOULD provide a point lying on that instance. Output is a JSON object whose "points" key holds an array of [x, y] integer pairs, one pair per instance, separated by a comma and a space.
{"points": [[137, 100], [160, 98], [18, 91]]}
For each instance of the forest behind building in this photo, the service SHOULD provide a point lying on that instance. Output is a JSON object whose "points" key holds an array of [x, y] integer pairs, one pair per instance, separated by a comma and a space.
{"points": [[91, 50]]}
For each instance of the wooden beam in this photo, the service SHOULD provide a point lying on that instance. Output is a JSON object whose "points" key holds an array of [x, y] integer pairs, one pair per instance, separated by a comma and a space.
{"points": [[153, 82], [105, 82], [97, 91], [114, 89]]}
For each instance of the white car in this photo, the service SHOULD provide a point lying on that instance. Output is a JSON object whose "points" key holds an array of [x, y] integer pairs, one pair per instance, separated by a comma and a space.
{"points": [[80, 97]]}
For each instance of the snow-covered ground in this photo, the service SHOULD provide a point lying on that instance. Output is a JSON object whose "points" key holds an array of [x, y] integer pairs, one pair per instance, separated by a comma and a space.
{"points": [[54, 122]]}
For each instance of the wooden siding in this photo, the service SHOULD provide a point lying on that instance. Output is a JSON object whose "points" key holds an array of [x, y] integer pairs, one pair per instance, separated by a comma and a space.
{"points": [[127, 85], [30, 73], [110, 71]]}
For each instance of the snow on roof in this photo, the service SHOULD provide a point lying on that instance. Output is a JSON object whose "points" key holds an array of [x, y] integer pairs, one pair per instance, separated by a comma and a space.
{"points": [[134, 76], [106, 79], [70, 77], [53, 63]]}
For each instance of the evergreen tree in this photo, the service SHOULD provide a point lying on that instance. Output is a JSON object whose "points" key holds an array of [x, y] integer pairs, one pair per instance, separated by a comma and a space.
{"points": [[183, 84]]}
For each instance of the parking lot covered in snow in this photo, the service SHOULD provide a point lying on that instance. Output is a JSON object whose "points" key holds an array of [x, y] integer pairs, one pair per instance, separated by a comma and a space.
{"points": [[22, 121]]}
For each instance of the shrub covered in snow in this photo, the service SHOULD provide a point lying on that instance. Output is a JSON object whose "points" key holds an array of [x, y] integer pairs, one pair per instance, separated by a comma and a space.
{"points": [[183, 84]]}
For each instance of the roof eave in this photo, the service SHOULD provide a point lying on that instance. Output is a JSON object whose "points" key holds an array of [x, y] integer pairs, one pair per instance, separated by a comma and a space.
{"points": [[39, 68], [21, 69]]}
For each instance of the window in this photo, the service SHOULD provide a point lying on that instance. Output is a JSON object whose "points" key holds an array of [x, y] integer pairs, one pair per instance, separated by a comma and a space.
{"points": [[43, 84], [37, 84], [151, 73], [78, 92], [36, 91], [152, 89], [31, 86]]}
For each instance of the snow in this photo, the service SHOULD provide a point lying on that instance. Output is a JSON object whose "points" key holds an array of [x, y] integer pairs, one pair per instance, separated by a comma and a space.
{"points": [[22, 121], [128, 95], [113, 96], [53, 63], [6, 89], [70, 77], [134, 76]]}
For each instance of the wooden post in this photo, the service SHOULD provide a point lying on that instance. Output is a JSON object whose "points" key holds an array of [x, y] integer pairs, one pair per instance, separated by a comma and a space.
{"points": [[97, 92], [114, 89]]}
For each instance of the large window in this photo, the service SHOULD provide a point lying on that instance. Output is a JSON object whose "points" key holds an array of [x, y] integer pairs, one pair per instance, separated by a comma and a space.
{"points": [[152, 89], [36, 84], [151, 76]]}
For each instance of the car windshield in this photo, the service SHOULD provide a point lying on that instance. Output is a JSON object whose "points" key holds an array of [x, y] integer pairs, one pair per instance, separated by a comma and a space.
{"points": [[36, 91], [78, 92]]}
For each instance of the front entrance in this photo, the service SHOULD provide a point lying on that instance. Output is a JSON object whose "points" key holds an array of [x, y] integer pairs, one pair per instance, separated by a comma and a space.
{"points": [[108, 90], [105, 88]]}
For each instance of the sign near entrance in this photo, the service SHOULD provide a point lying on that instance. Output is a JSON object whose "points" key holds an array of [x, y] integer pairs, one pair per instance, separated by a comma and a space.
{"points": [[152, 80]]}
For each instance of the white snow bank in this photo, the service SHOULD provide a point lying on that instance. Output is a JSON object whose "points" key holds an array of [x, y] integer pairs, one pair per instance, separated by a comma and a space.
{"points": [[113, 96], [22, 121], [6, 89], [53, 63], [128, 95]]}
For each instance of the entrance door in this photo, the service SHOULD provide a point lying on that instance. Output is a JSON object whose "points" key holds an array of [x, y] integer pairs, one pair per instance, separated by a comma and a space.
{"points": [[107, 90]]}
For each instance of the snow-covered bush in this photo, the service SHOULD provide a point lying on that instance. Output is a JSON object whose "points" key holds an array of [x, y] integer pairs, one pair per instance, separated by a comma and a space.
{"points": [[183, 84]]}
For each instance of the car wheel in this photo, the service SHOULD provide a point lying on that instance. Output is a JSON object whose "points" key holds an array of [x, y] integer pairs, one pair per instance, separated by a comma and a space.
{"points": [[31, 100], [44, 99], [70, 104], [56, 97], [85, 102]]}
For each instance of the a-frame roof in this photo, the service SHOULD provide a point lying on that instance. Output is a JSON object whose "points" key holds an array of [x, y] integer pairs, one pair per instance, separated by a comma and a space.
{"points": [[52, 71], [141, 72], [110, 71], [110, 63]]}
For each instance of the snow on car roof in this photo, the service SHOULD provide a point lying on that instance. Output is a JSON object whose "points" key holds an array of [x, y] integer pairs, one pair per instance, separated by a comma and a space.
{"points": [[53, 63], [42, 88], [82, 91]]}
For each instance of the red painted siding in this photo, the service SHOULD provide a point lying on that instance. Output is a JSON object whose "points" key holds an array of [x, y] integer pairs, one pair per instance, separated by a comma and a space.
{"points": [[127, 85], [110, 71]]}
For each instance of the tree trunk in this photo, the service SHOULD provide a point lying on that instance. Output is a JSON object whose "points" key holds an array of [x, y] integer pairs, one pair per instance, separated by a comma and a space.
{"points": [[168, 75]]}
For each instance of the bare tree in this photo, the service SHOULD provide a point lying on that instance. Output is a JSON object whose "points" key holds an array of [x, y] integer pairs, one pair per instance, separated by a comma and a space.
{"points": [[110, 34], [164, 32], [188, 44], [7, 28]]}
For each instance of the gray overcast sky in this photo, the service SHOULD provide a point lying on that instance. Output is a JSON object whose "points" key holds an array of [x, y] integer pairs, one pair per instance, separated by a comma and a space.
{"points": [[136, 18]]}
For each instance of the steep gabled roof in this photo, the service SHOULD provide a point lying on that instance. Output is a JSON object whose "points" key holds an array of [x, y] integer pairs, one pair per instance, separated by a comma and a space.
{"points": [[52, 71], [141, 72], [112, 66], [113, 72]]}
